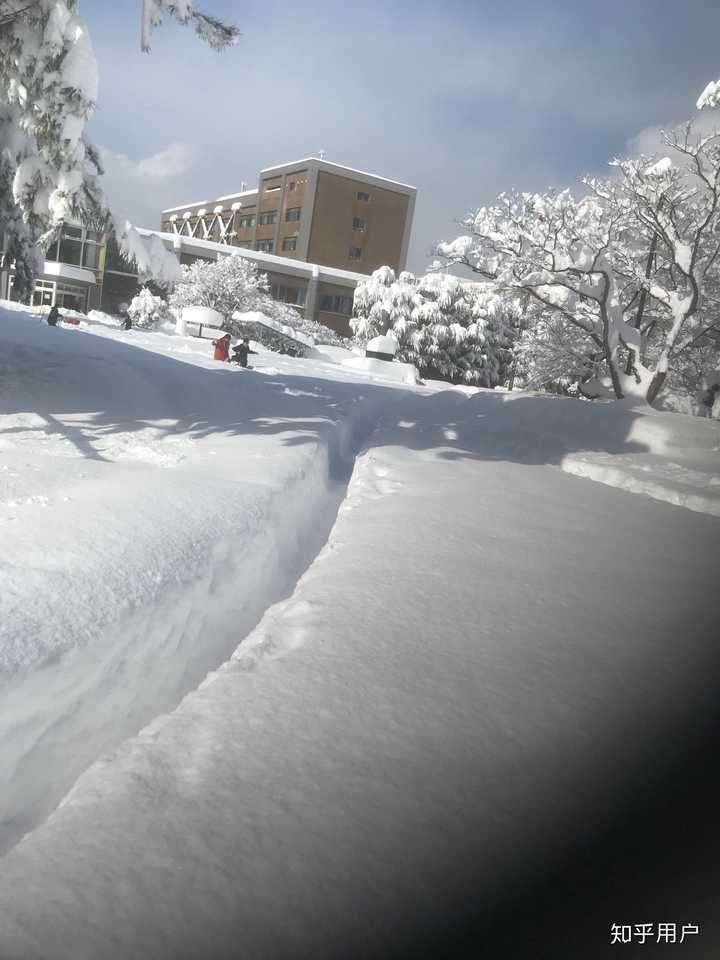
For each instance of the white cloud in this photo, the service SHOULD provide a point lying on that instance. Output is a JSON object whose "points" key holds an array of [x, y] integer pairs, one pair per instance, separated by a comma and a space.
{"points": [[175, 160], [131, 185], [649, 142]]}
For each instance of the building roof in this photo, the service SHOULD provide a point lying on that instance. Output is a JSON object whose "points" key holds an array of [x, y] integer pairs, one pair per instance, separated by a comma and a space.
{"points": [[326, 165], [185, 206], [338, 168], [268, 261], [211, 203], [242, 193]]}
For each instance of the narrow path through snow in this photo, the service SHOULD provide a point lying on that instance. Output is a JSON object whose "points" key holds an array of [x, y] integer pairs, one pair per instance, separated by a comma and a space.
{"points": [[179, 534]]}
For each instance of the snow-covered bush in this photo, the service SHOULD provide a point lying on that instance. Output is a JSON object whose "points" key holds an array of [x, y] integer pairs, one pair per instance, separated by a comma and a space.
{"points": [[48, 90], [225, 285], [448, 328], [148, 311]]}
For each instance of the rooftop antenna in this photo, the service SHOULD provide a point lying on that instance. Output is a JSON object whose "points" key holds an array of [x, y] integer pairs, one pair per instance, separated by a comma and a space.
{"points": [[321, 154], [243, 186]]}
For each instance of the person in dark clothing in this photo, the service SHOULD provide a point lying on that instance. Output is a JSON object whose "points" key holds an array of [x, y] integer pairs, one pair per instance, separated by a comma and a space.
{"points": [[127, 322], [241, 351], [53, 317]]}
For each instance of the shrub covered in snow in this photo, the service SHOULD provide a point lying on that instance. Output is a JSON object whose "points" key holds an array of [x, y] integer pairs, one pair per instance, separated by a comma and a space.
{"points": [[448, 328], [147, 311]]}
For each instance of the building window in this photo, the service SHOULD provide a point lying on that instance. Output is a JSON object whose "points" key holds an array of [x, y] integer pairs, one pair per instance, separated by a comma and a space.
{"points": [[76, 246], [271, 186], [293, 213], [43, 294], [289, 243], [355, 253], [359, 224], [246, 222], [71, 246], [293, 295], [291, 185], [336, 303], [265, 246], [91, 256], [365, 197], [267, 218], [71, 297]]}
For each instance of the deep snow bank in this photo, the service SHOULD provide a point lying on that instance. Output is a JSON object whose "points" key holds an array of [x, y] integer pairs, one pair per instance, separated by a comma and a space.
{"points": [[480, 669], [146, 528]]}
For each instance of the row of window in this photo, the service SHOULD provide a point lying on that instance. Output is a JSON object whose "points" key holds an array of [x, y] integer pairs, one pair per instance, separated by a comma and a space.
{"points": [[48, 293], [336, 303], [289, 244], [269, 217], [293, 295], [77, 246]]}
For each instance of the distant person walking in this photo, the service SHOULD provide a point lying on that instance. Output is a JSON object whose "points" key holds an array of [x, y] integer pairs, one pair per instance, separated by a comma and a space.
{"points": [[53, 317], [222, 347], [241, 351]]}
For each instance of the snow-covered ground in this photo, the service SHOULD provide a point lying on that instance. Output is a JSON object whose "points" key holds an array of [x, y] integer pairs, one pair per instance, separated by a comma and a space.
{"points": [[435, 658]]}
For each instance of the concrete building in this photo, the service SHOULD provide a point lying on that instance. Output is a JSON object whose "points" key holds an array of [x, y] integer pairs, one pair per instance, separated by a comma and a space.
{"points": [[310, 210]]}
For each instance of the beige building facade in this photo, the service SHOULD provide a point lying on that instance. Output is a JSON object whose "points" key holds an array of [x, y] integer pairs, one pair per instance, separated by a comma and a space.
{"points": [[316, 228], [310, 210]]}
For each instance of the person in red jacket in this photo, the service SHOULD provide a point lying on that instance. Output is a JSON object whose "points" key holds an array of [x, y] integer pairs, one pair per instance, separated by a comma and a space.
{"points": [[222, 347]]}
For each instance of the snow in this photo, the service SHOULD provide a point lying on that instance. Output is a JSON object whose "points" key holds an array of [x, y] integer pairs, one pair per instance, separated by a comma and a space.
{"points": [[710, 97], [661, 168], [384, 369], [382, 345], [296, 648]]}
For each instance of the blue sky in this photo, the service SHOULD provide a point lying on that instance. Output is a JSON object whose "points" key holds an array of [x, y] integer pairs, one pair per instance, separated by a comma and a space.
{"points": [[462, 99]]}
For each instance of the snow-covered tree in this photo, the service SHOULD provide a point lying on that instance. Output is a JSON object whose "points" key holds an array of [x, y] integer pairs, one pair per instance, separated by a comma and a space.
{"points": [[557, 250], [147, 310], [48, 90], [219, 35], [671, 210], [621, 281], [227, 285]]}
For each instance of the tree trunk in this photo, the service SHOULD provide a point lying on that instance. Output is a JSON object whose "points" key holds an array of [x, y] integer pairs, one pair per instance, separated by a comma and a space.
{"points": [[656, 385]]}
